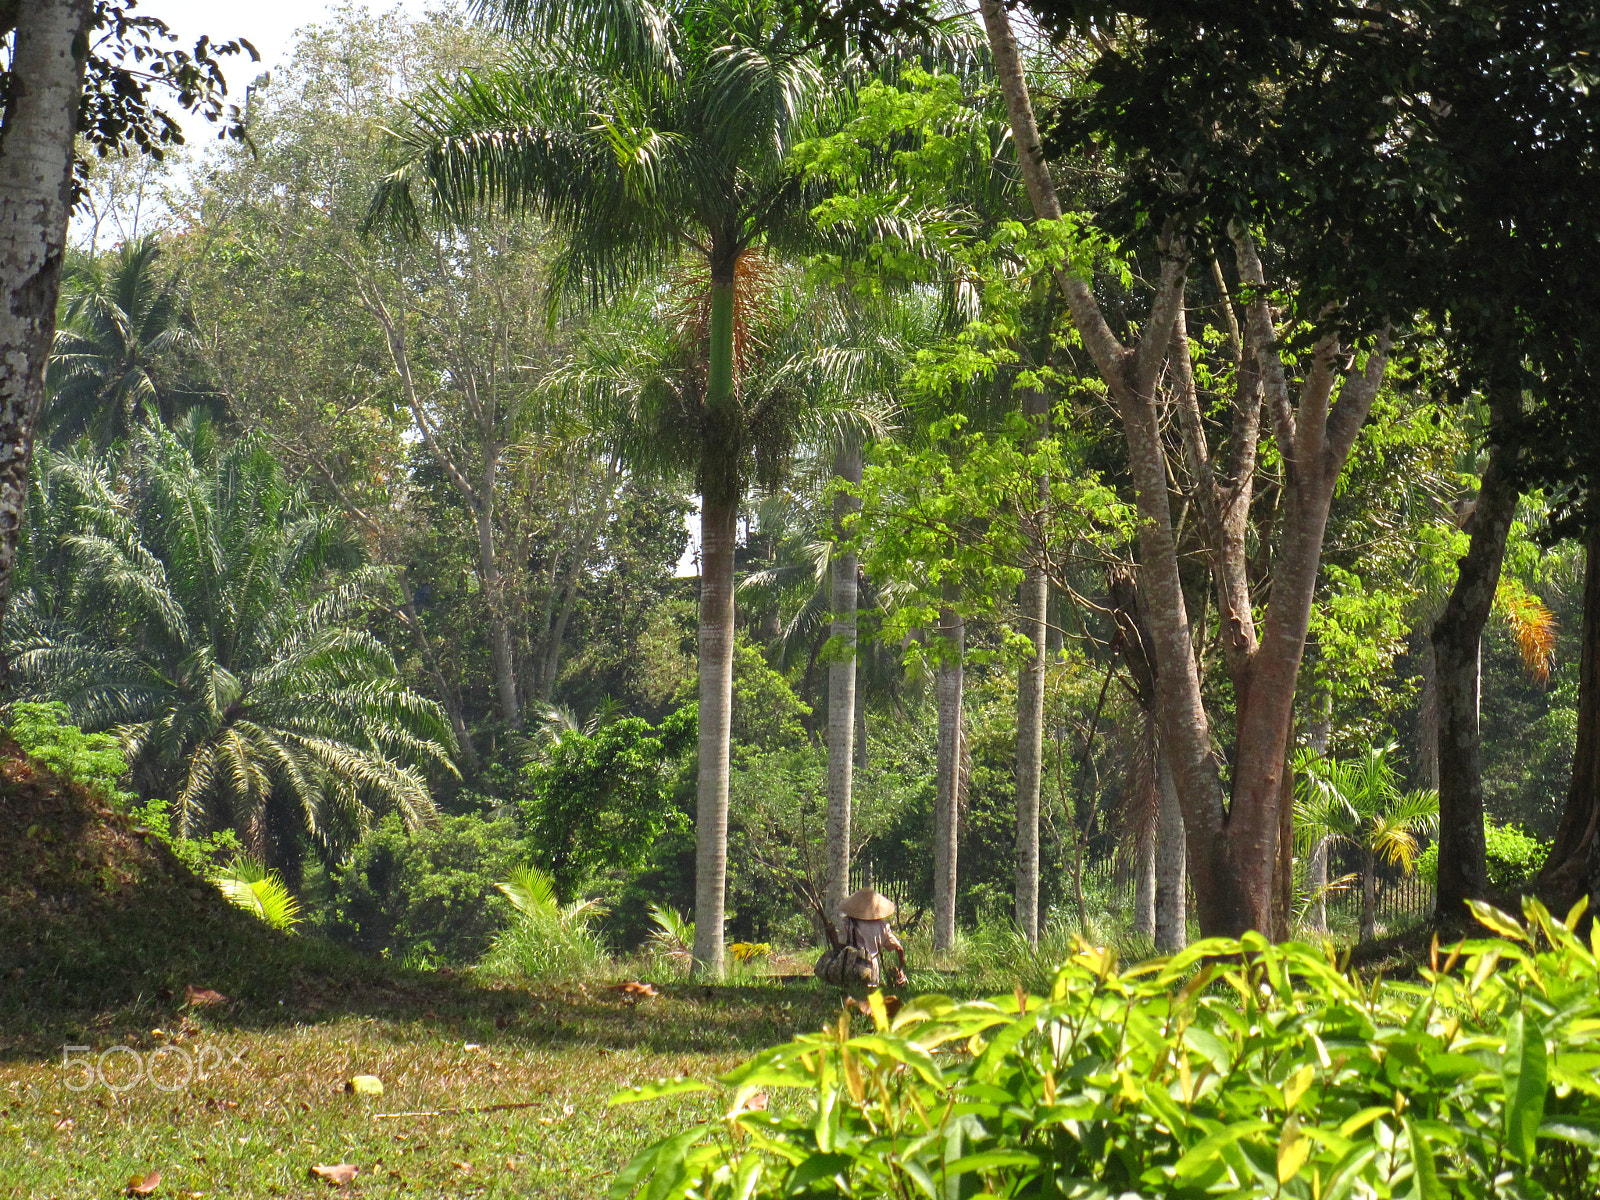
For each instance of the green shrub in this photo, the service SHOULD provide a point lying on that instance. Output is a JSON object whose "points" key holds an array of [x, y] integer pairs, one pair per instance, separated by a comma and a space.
{"points": [[1237, 1069], [1512, 856], [92, 759], [546, 939], [428, 895]]}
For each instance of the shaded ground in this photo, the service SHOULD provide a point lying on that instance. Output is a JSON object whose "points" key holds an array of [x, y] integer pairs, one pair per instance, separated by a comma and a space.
{"points": [[106, 1073]]}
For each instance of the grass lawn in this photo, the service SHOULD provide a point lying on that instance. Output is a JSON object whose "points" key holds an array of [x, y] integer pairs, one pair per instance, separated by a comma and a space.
{"points": [[272, 1102]]}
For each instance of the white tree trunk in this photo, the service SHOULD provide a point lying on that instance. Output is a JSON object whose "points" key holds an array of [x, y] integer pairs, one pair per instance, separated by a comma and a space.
{"points": [[718, 536], [1144, 888], [947, 692], [1035, 600], [1317, 869], [36, 149], [1171, 868], [841, 693]]}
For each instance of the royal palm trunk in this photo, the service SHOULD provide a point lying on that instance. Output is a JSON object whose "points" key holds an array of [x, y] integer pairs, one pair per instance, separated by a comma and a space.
{"points": [[842, 691], [719, 512], [947, 808], [1035, 600]]}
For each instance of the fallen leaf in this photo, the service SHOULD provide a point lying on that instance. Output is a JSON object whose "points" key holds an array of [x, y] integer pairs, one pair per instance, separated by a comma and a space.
{"points": [[757, 1102], [462, 1166], [364, 1085], [143, 1185], [201, 997], [339, 1174], [64, 1125], [636, 991]]}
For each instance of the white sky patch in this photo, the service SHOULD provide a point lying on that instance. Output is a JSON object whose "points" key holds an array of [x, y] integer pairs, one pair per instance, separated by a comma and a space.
{"points": [[269, 25]]}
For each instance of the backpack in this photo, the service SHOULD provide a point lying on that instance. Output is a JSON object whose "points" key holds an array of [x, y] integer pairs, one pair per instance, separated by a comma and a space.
{"points": [[844, 965]]}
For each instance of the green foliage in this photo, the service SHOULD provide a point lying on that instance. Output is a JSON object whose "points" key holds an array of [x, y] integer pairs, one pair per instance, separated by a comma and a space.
{"points": [[215, 617], [599, 799], [95, 760], [1358, 801], [260, 892], [965, 508], [673, 936], [126, 345], [1236, 1068], [202, 855], [546, 939], [1513, 856], [427, 892]]}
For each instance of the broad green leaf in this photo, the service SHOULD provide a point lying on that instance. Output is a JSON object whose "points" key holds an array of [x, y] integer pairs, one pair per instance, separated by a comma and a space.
{"points": [[1523, 1072], [1209, 1149], [1425, 1176], [1581, 1131], [1502, 923]]}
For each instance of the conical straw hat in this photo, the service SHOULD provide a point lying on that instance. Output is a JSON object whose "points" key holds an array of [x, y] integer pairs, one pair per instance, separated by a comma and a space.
{"points": [[868, 905]]}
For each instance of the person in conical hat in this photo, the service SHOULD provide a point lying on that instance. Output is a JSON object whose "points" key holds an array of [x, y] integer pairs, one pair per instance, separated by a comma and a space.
{"points": [[866, 926]]}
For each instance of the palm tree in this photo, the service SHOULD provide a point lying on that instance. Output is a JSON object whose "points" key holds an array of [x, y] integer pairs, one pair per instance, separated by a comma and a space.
{"points": [[213, 619], [126, 344], [1359, 802], [644, 131]]}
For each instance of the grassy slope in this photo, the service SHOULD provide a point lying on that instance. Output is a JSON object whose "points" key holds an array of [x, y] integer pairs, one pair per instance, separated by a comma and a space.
{"points": [[100, 932]]}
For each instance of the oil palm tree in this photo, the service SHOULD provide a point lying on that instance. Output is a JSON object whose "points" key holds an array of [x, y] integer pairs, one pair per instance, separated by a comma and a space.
{"points": [[645, 131], [1358, 802], [126, 345], [214, 620]]}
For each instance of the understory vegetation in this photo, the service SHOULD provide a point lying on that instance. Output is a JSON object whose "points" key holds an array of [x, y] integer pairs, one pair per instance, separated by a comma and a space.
{"points": [[561, 502]]}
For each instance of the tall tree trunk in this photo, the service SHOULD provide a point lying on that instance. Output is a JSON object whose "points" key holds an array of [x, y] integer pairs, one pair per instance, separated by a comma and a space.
{"points": [[1573, 868], [1428, 718], [1317, 868], [1457, 639], [1232, 846], [842, 689], [1283, 865], [1369, 896], [719, 518], [1172, 855], [505, 667], [36, 147], [1144, 888], [556, 634], [861, 724], [1030, 709], [946, 816]]}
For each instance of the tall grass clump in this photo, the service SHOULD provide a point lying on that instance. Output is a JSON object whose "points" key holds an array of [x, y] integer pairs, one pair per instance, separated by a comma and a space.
{"points": [[546, 939]]}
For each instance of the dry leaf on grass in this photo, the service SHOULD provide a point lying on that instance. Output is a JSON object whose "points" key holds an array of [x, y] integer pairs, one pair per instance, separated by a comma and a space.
{"points": [[143, 1185], [364, 1085], [636, 991], [339, 1174], [757, 1102], [201, 997]]}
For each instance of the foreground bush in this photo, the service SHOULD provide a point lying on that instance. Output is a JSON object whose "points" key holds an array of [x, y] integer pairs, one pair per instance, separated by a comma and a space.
{"points": [[1267, 1072]]}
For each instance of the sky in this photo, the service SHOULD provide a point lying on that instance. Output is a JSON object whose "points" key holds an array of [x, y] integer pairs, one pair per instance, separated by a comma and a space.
{"points": [[269, 25]]}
